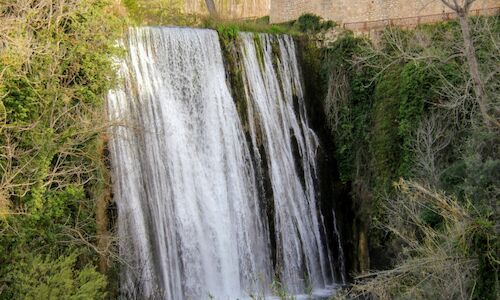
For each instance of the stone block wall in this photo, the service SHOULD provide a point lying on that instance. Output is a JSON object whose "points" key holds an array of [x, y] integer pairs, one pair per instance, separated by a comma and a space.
{"points": [[350, 11]]}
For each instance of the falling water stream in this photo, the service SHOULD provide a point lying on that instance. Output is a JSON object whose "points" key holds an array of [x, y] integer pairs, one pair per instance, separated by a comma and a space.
{"points": [[271, 94], [192, 222]]}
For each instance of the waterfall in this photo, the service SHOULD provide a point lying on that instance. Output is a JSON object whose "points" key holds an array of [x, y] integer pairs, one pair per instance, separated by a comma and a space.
{"points": [[276, 101], [191, 219]]}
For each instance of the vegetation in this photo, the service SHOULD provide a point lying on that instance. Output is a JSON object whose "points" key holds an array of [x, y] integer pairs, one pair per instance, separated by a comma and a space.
{"points": [[259, 25], [310, 23], [446, 248], [306, 24], [55, 67], [404, 108], [172, 12]]}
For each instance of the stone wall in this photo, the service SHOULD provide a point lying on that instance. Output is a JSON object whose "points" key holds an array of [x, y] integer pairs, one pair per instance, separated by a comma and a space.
{"points": [[350, 11]]}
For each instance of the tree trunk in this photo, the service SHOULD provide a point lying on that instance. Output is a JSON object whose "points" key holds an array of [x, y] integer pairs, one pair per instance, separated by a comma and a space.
{"points": [[103, 236], [102, 219], [470, 54], [363, 250], [211, 8]]}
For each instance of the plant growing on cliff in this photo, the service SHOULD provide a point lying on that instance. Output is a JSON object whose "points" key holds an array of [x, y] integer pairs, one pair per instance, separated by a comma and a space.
{"points": [[425, 125], [404, 106], [310, 23]]}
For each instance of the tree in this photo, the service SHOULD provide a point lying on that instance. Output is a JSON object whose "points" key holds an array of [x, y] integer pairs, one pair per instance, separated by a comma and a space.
{"points": [[462, 8], [211, 8]]}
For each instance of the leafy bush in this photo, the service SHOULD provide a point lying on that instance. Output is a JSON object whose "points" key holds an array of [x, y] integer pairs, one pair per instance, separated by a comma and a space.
{"points": [[310, 23], [415, 90], [228, 31], [47, 278], [348, 102], [57, 66]]}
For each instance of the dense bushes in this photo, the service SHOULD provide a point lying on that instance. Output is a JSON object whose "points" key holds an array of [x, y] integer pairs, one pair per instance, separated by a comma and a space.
{"points": [[310, 23], [404, 108], [55, 68], [348, 102], [38, 278]]}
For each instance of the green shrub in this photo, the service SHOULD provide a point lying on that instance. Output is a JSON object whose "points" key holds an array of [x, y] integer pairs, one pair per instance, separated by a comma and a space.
{"points": [[53, 82], [229, 31], [415, 90], [385, 140], [309, 23], [60, 278], [349, 110]]}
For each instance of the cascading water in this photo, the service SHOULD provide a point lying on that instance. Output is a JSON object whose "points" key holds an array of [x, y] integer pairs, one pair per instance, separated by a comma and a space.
{"points": [[276, 102], [186, 195], [191, 220]]}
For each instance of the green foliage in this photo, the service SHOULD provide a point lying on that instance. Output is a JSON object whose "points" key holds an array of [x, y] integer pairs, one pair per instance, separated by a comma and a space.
{"points": [[385, 141], [132, 7], [380, 116], [19, 102], [475, 176], [387, 95], [415, 90], [57, 66], [349, 118], [229, 31], [60, 278], [310, 23]]}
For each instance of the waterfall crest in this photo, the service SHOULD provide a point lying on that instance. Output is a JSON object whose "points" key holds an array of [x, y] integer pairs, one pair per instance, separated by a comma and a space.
{"points": [[191, 220]]}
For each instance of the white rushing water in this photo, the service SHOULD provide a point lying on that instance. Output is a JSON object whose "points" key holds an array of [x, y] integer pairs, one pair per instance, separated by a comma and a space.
{"points": [[190, 218], [277, 105]]}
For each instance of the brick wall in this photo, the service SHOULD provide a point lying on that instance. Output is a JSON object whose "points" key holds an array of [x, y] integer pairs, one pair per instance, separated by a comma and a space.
{"points": [[349, 11]]}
